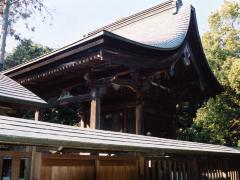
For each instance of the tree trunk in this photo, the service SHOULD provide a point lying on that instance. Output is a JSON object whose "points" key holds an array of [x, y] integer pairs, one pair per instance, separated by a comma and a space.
{"points": [[4, 32]]}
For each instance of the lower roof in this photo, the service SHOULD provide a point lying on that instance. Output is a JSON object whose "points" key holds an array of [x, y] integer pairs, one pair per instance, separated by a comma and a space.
{"points": [[27, 132], [13, 92]]}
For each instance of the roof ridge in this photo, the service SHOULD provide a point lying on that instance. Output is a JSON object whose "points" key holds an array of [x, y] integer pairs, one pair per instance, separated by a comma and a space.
{"points": [[138, 16]]}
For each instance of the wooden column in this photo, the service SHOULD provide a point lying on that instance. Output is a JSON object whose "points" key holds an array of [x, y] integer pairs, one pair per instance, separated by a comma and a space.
{"points": [[15, 168], [36, 164], [37, 115], [95, 112], [139, 118]]}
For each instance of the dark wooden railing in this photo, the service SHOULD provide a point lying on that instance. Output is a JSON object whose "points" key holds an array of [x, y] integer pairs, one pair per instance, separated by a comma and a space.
{"points": [[169, 168]]}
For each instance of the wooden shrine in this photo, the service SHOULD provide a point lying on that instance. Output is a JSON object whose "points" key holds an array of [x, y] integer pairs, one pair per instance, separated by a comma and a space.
{"points": [[128, 76]]}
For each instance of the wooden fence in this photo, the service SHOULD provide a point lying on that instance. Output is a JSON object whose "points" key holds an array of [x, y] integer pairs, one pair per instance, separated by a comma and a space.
{"points": [[17, 166], [169, 168]]}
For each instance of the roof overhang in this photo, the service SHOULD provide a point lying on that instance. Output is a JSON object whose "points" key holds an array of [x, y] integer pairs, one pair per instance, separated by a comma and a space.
{"points": [[25, 132]]}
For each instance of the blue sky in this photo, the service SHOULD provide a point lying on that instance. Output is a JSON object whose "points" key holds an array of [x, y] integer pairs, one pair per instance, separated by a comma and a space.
{"points": [[74, 18]]}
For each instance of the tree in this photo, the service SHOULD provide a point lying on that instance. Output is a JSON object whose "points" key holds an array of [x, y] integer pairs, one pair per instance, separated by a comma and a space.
{"points": [[25, 51], [218, 120], [11, 12]]}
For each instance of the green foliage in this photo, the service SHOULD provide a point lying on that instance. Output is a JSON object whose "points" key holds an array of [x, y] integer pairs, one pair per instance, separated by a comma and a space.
{"points": [[222, 42], [25, 51], [218, 120], [234, 76], [67, 115]]}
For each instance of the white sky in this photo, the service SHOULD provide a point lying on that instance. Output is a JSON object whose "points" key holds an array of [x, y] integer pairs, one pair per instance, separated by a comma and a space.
{"points": [[74, 18]]}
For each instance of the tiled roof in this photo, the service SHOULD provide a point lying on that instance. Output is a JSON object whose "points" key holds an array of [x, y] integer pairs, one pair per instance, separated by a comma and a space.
{"points": [[21, 131], [11, 91], [160, 27]]}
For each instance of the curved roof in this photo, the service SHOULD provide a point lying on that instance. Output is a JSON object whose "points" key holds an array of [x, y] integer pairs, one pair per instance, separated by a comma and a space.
{"points": [[13, 92], [164, 28], [159, 29]]}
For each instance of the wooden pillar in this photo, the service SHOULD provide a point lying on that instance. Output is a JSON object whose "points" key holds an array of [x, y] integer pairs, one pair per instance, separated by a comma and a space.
{"points": [[15, 169], [36, 164], [139, 118], [37, 115], [95, 112]]}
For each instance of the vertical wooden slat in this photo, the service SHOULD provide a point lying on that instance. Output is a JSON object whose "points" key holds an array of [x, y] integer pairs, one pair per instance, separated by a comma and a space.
{"points": [[169, 169], [97, 169], [147, 170], [180, 169], [221, 169], [141, 168], [174, 169], [154, 170], [1, 166], [217, 169], [164, 169], [184, 170], [15, 169], [160, 172], [195, 169], [226, 168]]}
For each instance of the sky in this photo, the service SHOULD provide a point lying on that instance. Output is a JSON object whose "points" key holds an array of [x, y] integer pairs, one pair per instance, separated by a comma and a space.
{"points": [[72, 19]]}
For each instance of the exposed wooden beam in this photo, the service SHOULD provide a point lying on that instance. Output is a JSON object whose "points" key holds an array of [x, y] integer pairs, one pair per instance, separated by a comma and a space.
{"points": [[84, 62], [52, 59]]}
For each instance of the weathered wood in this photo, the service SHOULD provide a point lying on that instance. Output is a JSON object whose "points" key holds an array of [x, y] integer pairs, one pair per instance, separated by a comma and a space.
{"points": [[95, 113]]}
